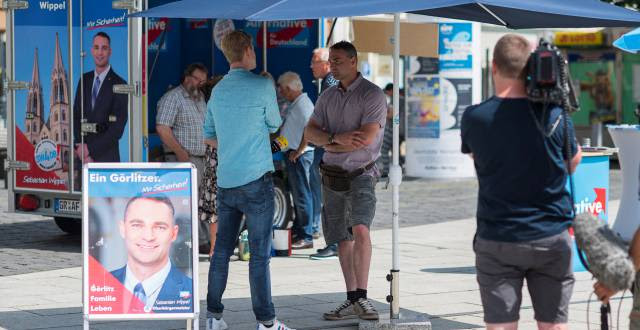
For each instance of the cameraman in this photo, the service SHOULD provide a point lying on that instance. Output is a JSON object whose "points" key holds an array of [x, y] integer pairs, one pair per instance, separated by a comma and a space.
{"points": [[605, 293], [524, 209]]}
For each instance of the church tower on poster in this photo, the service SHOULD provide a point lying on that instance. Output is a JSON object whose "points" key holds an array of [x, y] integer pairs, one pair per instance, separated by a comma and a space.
{"points": [[57, 126], [59, 116], [34, 113]]}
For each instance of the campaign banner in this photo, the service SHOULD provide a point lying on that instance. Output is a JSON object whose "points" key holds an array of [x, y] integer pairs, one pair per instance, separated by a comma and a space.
{"points": [[157, 38], [289, 47], [139, 227], [455, 46], [283, 34], [42, 112], [102, 36], [591, 193]]}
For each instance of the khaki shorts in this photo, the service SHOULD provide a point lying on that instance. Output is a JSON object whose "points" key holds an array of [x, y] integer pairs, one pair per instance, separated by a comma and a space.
{"points": [[345, 209], [502, 268]]}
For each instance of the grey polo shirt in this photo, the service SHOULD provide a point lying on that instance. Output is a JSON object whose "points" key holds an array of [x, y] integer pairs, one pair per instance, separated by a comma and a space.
{"points": [[338, 111]]}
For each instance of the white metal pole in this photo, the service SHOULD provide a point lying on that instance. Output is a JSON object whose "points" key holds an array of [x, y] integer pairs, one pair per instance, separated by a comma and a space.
{"points": [[395, 174]]}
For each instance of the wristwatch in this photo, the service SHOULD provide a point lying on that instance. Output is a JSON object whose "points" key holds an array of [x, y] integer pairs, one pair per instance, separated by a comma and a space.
{"points": [[331, 138]]}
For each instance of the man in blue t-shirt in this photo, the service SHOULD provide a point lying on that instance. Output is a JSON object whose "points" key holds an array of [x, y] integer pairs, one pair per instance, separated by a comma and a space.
{"points": [[241, 113], [524, 210]]}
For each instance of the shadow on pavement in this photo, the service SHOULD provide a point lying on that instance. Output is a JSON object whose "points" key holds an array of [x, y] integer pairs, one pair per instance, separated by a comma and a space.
{"points": [[33, 246], [39, 235], [303, 312], [450, 270]]}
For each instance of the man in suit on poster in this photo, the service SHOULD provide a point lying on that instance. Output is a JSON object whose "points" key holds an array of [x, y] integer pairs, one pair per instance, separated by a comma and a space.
{"points": [[100, 106], [148, 230]]}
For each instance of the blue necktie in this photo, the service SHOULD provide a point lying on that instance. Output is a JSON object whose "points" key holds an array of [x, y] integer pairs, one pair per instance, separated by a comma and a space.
{"points": [[138, 292], [94, 91]]}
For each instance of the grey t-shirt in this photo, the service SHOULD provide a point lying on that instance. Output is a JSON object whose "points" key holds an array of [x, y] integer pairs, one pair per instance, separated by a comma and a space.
{"points": [[338, 111]]}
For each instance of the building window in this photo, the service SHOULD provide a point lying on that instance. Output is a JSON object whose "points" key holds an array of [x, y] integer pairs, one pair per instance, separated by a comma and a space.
{"points": [[60, 91], [64, 116], [64, 135]]}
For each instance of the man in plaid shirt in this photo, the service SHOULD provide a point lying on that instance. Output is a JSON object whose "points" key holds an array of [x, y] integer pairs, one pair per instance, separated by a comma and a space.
{"points": [[179, 124]]}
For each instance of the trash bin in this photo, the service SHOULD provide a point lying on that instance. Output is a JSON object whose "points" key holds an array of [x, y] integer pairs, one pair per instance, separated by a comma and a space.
{"points": [[281, 242]]}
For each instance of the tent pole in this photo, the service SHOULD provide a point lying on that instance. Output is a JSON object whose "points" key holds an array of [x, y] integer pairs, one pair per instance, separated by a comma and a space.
{"points": [[493, 14], [395, 175], [264, 46]]}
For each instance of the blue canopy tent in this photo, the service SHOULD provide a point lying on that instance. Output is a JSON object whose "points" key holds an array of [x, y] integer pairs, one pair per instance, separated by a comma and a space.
{"points": [[510, 13], [231, 9], [515, 14]]}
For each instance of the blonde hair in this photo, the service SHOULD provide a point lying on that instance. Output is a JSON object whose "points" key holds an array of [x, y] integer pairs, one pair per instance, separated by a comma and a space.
{"points": [[510, 56], [234, 44]]}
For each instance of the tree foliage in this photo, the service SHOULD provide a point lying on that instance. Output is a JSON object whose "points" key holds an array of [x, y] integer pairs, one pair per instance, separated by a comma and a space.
{"points": [[625, 3]]}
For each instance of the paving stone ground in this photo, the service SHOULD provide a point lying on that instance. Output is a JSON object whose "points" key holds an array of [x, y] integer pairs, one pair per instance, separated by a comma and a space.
{"points": [[30, 243]]}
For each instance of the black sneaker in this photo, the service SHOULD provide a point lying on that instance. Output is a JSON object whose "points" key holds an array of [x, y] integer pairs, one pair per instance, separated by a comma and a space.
{"points": [[328, 252]]}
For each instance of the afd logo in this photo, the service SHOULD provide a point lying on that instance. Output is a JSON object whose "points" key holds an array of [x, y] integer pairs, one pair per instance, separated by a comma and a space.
{"points": [[595, 207], [46, 155]]}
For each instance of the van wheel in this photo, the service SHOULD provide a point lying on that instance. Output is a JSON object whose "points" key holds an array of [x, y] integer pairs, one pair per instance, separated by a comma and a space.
{"points": [[71, 226], [283, 211]]}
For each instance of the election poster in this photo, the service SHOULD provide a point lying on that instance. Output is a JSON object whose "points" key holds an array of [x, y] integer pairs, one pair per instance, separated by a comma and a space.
{"points": [[139, 232], [100, 116], [42, 112]]}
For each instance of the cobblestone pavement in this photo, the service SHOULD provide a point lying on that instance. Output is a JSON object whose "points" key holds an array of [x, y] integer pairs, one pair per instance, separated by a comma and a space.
{"points": [[30, 243]]}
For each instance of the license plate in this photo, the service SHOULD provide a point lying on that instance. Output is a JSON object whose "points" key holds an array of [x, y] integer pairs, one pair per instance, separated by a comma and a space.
{"points": [[68, 206]]}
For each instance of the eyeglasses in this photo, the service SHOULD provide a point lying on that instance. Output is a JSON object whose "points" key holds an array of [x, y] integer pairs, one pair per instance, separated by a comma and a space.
{"points": [[318, 62], [200, 81]]}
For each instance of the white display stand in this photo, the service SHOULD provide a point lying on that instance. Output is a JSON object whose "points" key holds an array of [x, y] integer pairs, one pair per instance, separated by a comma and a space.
{"points": [[108, 188], [627, 139]]}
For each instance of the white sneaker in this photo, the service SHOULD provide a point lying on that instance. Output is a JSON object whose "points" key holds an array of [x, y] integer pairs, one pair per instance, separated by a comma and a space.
{"points": [[213, 324], [277, 325]]}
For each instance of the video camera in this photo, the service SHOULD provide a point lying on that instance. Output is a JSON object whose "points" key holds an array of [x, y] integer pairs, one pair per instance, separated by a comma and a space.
{"points": [[548, 80]]}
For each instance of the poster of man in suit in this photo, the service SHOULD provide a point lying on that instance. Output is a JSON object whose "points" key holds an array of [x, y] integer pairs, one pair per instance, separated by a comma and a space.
{"points": [[102, 112], [139, 242], [100, 116]]}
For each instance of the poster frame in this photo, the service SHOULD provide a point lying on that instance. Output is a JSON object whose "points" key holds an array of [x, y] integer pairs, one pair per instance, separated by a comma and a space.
{"points": [[85, 242]]}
